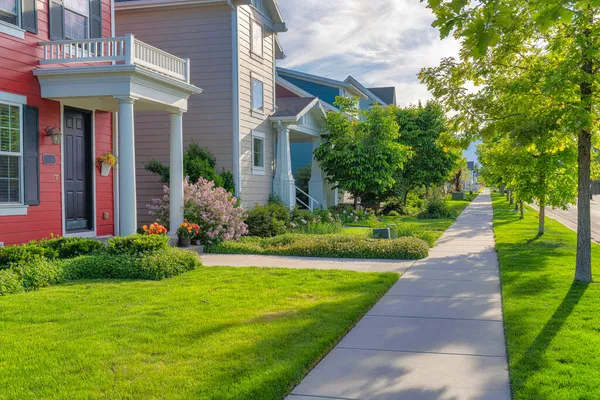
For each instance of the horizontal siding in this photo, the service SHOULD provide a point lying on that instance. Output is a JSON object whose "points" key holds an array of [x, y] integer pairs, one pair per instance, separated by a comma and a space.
{"points": [[202, 34], [18, 59], [255, 188]]}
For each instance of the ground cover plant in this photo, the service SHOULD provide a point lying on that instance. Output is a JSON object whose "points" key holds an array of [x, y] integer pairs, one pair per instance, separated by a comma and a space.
{"points": [[335, 246], [213, 333], [48, 262], [552, 323]]}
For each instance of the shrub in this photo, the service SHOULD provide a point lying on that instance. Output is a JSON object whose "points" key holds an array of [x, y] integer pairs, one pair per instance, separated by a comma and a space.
{"points": [[337, 246], [10, 282], [210, 207], [72, 247], [436, 208], [12, 254], [37, 272], [150, 266], [267, 221], [137, 244]]}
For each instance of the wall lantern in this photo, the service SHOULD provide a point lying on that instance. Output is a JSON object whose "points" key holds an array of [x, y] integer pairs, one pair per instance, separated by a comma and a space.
{"points": [[54, 134]]}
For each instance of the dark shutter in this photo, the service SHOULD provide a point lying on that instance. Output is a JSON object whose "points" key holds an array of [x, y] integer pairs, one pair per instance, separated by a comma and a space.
{"points": [[29, 15], [95, 18], [57, 20], [31, 155]]}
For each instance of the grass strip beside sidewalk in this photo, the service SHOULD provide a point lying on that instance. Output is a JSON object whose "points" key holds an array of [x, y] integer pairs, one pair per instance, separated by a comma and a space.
{"points": [[552, 324]]}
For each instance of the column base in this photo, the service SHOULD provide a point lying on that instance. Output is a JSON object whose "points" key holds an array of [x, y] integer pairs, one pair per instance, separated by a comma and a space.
{"points": [[286, 190]]}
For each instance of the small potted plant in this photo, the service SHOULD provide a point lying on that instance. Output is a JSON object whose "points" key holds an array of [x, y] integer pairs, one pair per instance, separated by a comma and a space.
{"points": [[186, 233], [106, 162]]}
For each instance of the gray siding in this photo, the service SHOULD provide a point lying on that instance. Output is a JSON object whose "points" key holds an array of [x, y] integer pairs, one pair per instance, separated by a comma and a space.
{"points": [[255, 188], [204, 35]]}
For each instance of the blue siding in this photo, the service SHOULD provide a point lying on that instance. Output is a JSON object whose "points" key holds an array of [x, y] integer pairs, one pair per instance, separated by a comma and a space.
{"points": [[301, 153], [324, 92]]}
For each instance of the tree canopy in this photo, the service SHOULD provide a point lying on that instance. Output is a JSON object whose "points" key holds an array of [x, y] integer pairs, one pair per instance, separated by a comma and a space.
{"points": [[516, 53]]}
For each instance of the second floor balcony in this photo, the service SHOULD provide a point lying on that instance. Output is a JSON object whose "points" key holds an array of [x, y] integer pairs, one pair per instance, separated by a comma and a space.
{"points": [[97, 72]]}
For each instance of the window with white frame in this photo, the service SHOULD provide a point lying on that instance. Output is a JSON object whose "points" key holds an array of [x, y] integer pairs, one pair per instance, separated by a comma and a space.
{"points": [[11, 153], [258, 95], [258, 152], [257, 38], [9, 11], [76, 19]]}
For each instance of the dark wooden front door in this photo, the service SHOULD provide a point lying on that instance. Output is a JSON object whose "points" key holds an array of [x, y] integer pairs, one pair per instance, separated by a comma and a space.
{"points": [[77, 165]]}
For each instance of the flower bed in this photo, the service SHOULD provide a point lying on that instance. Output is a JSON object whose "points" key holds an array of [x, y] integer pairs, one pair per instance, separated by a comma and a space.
{"points": [[38, 264], [336, 246]]}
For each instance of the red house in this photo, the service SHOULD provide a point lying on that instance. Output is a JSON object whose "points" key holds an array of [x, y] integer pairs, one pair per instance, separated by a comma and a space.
{"points": [[68, 93]]}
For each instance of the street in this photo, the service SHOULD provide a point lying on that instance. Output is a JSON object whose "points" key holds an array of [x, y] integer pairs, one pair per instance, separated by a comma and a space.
{"points": [[569, 218]]}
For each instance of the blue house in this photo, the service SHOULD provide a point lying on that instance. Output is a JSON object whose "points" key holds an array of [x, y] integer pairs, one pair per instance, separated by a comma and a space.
{"points": [[292, 83]]}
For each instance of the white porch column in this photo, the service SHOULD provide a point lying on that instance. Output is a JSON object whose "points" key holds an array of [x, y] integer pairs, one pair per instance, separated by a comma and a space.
{"points": [[284, 184], [127, 194], [176, 173], [316, 183]]}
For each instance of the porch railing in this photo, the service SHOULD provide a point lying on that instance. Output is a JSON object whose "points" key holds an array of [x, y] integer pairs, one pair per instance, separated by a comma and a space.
{"points": [[121, 50], [312, 203]]}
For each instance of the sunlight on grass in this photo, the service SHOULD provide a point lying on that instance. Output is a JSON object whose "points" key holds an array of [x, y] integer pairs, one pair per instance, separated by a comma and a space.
{"points": [[552, 325], [213, 333]]}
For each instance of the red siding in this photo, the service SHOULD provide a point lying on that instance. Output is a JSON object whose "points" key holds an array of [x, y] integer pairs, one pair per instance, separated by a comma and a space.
{"points": [[18, 58]]}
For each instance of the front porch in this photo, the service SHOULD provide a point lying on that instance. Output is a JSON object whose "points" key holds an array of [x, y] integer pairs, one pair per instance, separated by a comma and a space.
{"points": [[123, 75], [300, 120]]}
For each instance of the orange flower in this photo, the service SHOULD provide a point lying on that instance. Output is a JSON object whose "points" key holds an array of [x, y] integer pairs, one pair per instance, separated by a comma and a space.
{"points": [[145, 228]]}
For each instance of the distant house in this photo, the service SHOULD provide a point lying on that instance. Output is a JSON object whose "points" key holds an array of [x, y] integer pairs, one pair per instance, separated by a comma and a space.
{"points": [[291, 83]]}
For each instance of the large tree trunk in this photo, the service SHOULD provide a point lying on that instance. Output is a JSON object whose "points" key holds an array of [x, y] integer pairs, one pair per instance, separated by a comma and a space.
{"points": [[542, 224], [502, 188], [583, 266], [516, 205], [511, 197]]}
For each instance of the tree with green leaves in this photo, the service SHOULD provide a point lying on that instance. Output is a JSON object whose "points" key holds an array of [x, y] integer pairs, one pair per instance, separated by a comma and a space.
{"points": [[359, 151], [422, 128], [549, 49]]}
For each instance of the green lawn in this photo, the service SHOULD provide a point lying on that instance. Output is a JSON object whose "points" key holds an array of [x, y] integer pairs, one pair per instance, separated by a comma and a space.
{"points": [[213, 333], [413, 223], [552, 325]]}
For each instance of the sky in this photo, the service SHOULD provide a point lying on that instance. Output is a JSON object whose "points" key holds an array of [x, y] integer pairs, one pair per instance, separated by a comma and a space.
{"points": [[379, 42]]}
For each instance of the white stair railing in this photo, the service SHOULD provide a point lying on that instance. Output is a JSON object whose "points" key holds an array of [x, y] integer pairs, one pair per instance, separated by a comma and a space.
{"points": [[125, 49], [312, 202]]}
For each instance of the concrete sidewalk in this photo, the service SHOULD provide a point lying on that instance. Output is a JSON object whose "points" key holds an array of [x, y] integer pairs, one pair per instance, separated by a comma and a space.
{"points": [[349, 264], [437, 334]]}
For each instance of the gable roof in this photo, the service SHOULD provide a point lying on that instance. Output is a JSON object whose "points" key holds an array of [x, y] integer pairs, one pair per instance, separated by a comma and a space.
{"points": [[293, 108], [387, 94], [301, 92], [376, 99], [321, 80]]}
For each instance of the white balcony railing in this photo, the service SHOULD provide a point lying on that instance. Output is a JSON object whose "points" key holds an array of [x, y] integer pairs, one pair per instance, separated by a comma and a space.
{"points": [[121, 50]]}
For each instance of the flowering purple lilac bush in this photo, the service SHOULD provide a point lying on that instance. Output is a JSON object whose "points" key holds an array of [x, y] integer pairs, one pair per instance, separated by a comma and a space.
{"points": [[212, 208]]}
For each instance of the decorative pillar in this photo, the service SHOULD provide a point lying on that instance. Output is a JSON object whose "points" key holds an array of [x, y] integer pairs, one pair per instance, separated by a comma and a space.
{"points": [[316, 183], [176, 173], [284, 184], [127, 189]]}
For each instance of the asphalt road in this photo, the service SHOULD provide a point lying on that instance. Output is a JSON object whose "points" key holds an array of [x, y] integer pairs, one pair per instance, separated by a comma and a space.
{"points": [[569, 217]]}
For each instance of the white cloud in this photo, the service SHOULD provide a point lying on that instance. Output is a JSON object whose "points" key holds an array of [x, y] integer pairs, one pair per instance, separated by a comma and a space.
{"points": [[379, 42]]}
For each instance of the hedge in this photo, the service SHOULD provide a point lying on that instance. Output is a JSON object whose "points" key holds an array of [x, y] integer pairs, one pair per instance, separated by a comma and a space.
{"points": [[335, 246], [35, 265]]}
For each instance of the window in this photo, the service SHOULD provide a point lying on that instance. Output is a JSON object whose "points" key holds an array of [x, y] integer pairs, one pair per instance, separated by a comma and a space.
{"points": [[76, 19], [258, 98], [257, 38], [9, 11], [18, 16], [11, 152], [258, 153]]}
